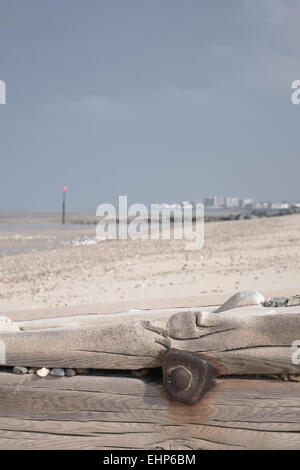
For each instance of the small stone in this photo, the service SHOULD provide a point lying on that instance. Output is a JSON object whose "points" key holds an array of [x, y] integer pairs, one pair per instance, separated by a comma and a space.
{"points": [[82, 371], [276, 302], [20, 370], [284, 377], [70, 372], [293, 301], [294, 378], [242, 299], [140, 372], [43, 372], [33, 370], [58, 372]]}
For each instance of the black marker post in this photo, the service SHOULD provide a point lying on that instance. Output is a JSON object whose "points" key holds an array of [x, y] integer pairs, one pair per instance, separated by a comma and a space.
{"points": [[64, 204]]}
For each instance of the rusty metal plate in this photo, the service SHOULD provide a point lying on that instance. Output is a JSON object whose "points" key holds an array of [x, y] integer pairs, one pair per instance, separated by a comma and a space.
{"points": [[186, 375]]}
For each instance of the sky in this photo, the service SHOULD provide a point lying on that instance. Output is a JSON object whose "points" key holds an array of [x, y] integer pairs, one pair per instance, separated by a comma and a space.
{"points": [[161, 101]]}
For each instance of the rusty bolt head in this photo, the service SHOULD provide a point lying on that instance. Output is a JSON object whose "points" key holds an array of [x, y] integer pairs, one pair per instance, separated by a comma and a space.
{"points": [[186, 375], [180, 378]]}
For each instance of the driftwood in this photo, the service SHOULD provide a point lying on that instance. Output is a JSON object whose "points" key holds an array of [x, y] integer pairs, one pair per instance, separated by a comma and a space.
{"points": [[238, 407], [251, 340]]}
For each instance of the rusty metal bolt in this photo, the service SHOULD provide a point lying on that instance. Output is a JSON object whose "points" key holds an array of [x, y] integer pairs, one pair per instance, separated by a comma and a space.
{"points": [[186, 375], [180, 378]]}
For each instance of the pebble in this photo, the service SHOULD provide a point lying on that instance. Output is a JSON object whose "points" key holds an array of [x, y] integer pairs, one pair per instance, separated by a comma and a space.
{"points": [[43, 372], [284, 377], [276, 302], [58, 372], [20, 370], [294, 378], [140, 372], [293, 301], [70, 372], [82, 371], [243, 299]]}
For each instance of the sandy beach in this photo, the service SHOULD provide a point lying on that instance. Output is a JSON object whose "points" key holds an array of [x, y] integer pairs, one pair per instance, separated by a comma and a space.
{"points": [[260, 254]]}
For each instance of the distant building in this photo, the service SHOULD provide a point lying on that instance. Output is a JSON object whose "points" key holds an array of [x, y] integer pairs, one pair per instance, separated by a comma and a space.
{"points": [[232, 202], [220, 202], [279, 205], [209, 202], [261, 205], [187, 203], [247, 204], [214, 201]]}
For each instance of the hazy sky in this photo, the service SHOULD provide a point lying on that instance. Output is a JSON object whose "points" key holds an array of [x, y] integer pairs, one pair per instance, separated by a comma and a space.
{"points": [[160, 100]]}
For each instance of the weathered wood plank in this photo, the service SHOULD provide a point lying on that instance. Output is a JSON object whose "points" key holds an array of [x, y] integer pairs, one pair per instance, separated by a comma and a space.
{"points": [[98, 320], [105, 308], [97, 412], [251, 340], [107, 347]]}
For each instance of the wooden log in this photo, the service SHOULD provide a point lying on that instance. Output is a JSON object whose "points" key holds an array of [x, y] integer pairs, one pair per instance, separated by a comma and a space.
{"points": [[252, 340], [96, 412]]}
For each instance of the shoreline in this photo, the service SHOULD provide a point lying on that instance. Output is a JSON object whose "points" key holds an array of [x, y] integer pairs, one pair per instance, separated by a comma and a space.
{"points": [[37, 232]]}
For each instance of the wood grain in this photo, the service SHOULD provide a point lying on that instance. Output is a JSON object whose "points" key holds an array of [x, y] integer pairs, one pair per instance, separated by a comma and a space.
{"points": [[97, 412]]}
